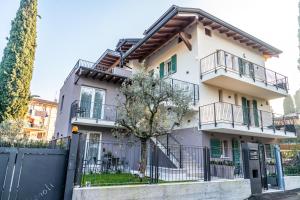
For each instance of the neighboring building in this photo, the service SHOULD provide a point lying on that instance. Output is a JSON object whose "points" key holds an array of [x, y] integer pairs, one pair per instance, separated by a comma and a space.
{"points": [[221, 66], [40, 119]]}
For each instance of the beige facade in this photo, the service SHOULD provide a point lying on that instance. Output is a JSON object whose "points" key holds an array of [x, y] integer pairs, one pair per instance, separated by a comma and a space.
{"points": [[40, 119]]}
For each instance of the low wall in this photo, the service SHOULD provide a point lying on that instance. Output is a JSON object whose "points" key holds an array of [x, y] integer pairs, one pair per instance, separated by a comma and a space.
{"points": [[292, 182], [225, 190]]}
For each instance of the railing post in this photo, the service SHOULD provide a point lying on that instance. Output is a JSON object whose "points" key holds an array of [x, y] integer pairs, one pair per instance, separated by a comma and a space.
{"points": [[276, 80], [284, 124], [261, 121], [232, 115], [216, 60], [168, 150], [180, 156], [266, 81], [194, 86], [225, 61], [199, 117], [273, 122], [200, 70], [215, 117]]}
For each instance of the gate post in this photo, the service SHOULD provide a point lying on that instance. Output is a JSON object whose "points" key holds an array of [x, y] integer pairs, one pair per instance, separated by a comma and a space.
{"points": [[206, 164], [71, 165], [80, 159], [279, 170]]}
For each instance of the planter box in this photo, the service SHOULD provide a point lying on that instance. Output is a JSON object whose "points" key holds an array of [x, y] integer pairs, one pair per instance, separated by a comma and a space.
{"points": [[222, 171], [272, 180]]}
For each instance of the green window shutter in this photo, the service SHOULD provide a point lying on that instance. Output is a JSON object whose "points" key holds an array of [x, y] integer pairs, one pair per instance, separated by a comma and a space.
{"points": [[255, 113], [161, 70], [174, 63], [245, 110], [216, 148], [236, 154]]}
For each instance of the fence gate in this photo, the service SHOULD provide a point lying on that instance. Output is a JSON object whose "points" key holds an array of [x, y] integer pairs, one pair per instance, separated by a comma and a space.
{"points": [[29, 173]]}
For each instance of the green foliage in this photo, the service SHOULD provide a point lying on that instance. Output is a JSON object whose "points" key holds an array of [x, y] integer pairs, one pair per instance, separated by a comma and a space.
{"points": [[151, 106], [297, 100], [106, 179], [288, 105], [12, 132], [17, 63]]}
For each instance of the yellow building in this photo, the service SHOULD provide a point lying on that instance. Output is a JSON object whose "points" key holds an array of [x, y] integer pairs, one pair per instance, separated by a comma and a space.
{"points": [[40, 119]]}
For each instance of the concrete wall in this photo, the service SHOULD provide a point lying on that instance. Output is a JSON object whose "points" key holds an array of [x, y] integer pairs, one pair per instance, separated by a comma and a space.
{"points": [[225, 190], [292, 182], [71, 92]]}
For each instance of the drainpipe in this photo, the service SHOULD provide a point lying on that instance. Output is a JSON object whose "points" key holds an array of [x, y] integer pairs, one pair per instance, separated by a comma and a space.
{"points": [[279, 170]]}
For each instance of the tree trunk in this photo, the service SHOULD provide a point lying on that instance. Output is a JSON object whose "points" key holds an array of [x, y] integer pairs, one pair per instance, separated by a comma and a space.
{"points": [[143, 163]]}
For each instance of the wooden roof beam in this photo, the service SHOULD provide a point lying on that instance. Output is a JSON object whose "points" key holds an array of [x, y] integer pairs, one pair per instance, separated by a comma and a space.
{"points": [[224, 31], [207, 23], [185, 38], [244, 40], [238, 37], [215, 27], [230, 34]]}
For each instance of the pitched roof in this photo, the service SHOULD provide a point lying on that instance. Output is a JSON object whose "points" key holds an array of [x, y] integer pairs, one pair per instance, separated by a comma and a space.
{"points": [[177, 18]]}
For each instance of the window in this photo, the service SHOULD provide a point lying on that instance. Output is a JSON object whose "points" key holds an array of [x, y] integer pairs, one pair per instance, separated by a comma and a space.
{"points": [[207, 32], [62, 102], [220, 96], [168, 67], [225, 152], [93, 148], [269, 150], [219, 148], [92, 103]]}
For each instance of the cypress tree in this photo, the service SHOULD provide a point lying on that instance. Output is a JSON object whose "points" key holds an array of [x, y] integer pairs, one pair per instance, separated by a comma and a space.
{"points": [[288, 105], [17, 62]]}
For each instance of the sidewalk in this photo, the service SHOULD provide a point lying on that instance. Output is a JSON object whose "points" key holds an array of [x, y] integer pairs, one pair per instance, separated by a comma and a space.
{"points": [[286, 195]]}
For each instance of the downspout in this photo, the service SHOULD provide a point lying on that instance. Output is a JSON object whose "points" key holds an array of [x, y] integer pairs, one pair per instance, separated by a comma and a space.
{"points": [[279, 169]]}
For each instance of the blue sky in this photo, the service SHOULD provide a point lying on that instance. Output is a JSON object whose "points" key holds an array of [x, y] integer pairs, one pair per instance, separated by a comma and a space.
{"points": [[73, 29]]}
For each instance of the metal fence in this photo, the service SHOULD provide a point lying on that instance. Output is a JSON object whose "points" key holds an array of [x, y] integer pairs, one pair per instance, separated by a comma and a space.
{"points": [[230, 62], [291, 162], [116, 163]]}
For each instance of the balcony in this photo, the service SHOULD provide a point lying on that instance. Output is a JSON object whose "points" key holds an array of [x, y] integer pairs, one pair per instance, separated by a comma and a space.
{"points": [[225, 70], [232, 119], [190, 89], [93, 113]]}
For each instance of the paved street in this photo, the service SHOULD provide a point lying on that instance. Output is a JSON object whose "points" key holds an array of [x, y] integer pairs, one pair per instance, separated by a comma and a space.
{"points": [[287, 195]]}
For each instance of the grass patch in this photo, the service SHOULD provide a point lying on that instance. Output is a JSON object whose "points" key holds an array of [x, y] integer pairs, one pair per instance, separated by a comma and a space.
{"points": [[106, 179]]}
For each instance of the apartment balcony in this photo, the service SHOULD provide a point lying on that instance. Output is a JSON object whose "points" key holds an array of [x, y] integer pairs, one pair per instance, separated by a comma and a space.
{"points": [[232, 119], [93, 114], [189, 89], [99, 72], [225, 70]]}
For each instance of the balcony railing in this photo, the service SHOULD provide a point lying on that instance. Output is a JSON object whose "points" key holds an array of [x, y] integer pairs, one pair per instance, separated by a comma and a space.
{"points": [[190, 89], [93, 110], [227, 113], [244, 68], [115, 70]]}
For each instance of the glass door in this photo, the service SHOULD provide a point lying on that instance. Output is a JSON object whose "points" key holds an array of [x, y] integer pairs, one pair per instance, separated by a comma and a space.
{"points": [[92, 103]]}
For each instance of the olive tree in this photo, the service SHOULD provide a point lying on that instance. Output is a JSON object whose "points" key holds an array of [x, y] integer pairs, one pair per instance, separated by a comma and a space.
{"points": [[150, 107]]}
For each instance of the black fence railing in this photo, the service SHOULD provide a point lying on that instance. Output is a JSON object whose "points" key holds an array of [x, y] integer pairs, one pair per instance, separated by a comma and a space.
{"points": [[93, 110], [189, 89], [291, 162], [242, 67], [221, 112], [117, 163]]}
